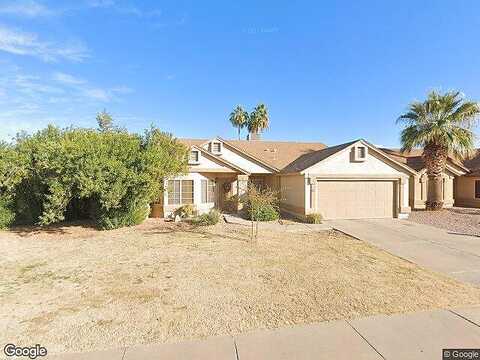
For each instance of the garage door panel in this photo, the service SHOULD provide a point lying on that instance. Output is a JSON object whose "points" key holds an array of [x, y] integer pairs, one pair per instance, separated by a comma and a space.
{"points": [[355, 199]]}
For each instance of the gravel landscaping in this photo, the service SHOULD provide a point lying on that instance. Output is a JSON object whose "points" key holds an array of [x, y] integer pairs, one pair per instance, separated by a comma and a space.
{"points": [[458, 220], [76, 289]]}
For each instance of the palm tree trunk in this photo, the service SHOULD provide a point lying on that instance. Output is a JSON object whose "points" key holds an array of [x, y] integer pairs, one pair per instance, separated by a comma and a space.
{"points": [[435, 161], [239, 133]]}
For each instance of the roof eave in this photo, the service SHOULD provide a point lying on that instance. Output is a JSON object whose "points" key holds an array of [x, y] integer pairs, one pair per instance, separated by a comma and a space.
{"points": [[254, 158], [223, 161]]}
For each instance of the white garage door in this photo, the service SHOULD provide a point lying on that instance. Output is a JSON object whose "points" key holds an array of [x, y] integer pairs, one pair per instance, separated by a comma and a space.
{"points": [[355, 199]]}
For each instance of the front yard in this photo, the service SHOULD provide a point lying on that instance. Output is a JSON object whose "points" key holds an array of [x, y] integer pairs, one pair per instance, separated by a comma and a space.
{"points": [[458, 220], [77, 289]]}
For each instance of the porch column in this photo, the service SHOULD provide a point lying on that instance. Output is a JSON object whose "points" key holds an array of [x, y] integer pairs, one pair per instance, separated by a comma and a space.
{"points": [[312, 181], [402, 208], [242, 187]]}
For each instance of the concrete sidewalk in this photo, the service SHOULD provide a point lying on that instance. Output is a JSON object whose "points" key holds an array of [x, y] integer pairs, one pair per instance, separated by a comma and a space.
{"points": [[455, 255], [420, 335]]}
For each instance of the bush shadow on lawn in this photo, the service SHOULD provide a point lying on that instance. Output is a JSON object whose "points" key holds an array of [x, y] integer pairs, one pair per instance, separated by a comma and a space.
{"points": [[63, 228]]}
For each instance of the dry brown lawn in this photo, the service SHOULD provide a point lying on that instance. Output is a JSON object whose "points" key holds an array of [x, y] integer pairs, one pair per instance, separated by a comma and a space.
{"points": [[77, 289]]}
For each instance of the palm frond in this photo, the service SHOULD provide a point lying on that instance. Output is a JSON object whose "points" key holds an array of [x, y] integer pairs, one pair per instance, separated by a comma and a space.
{"points": [[442, 119]]}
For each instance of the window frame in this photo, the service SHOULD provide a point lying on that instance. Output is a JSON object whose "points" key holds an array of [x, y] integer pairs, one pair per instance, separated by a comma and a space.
{"points": [[476, 189], [193, 161], [212, 145], [208, 191], [172, 197], [356, 153]]}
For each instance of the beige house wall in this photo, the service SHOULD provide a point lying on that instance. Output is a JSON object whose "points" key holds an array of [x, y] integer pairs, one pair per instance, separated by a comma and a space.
{"points": [[375, 167], [234, 157], [465, 191], [419, 186], [292, 194]]}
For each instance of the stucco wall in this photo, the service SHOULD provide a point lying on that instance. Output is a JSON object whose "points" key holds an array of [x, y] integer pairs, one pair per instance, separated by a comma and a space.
{"points": [[206, 163], [465, 191], [292, 194], [240, 161], [197, 193], [341, 165], [420, 188]]}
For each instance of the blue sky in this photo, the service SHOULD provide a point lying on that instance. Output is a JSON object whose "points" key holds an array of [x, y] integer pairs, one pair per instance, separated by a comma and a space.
{"points": [[328, 71]]}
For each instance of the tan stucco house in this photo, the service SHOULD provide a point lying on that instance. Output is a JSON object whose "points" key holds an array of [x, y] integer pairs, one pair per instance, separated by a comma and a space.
{"points": [[348, 181]]}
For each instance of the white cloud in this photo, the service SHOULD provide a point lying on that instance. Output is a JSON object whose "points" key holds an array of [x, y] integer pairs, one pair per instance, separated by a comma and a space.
{"points": [[27, 8], [125, 9], [67, 79], [97, 94], [89, 91], [31, 101], [33, 85], [23, 43], [124, 90], [100, 3]]}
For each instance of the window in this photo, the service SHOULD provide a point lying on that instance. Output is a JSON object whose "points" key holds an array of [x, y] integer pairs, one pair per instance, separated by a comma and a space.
{"points": [[477, 189], [208, 191], [216, 147], [187, 192], [173, 192], [359, 153], [180, 192], [194, 157]]}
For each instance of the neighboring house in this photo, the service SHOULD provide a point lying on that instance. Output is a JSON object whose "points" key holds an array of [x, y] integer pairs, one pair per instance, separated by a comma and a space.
{"points": [[348, 181], [419, 183]]}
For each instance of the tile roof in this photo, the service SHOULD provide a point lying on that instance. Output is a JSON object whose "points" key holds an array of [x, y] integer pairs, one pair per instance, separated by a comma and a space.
{"points": [[473, 163], [290, 156], [414, 158], [276, 154], [306, 160]]}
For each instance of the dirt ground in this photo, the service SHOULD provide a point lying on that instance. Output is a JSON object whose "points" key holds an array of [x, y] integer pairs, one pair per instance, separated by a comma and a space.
{"points": [[458, 220], [77, 289]]}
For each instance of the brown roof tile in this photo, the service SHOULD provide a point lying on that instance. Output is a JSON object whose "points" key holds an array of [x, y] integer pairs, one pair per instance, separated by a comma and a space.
{"points": [[473, 163], [277, 154], [414, 158], [305, 161]]}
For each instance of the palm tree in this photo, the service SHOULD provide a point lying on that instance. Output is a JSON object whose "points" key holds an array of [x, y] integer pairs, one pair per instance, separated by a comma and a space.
{"points": [[239, 118], [442, 126], [258, 120]]}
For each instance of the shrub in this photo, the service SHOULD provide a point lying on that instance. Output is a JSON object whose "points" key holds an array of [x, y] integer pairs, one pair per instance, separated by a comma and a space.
{"points": [[186, 211], [314, 218], [265, 212], [212, 218], [124, 216], [7, 215], [110, 176], [261, 204]]}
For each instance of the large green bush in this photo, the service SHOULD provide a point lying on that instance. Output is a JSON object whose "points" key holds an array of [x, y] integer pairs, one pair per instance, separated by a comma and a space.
{"points": [[108, 176], [7, 215]]}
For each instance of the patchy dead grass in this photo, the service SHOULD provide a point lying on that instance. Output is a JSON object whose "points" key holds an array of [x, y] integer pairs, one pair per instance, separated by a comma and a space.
{"points": [[78, 289]]}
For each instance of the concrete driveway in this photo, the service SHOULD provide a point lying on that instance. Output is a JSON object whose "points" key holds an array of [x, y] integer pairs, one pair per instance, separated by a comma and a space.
{"points": [[455, 255]]}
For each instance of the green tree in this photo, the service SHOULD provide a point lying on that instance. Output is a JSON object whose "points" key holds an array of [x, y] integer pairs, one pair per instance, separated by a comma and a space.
{"points": [[258, 120], [110, 177], [441, 125], [105, 121], [239, 118]]}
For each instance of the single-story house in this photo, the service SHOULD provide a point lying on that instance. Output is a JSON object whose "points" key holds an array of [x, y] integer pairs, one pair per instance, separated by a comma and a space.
{"points": [[348, 181]]}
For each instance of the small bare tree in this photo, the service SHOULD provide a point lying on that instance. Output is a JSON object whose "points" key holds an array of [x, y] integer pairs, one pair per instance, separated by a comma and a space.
{"points": [[261, 205]]}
